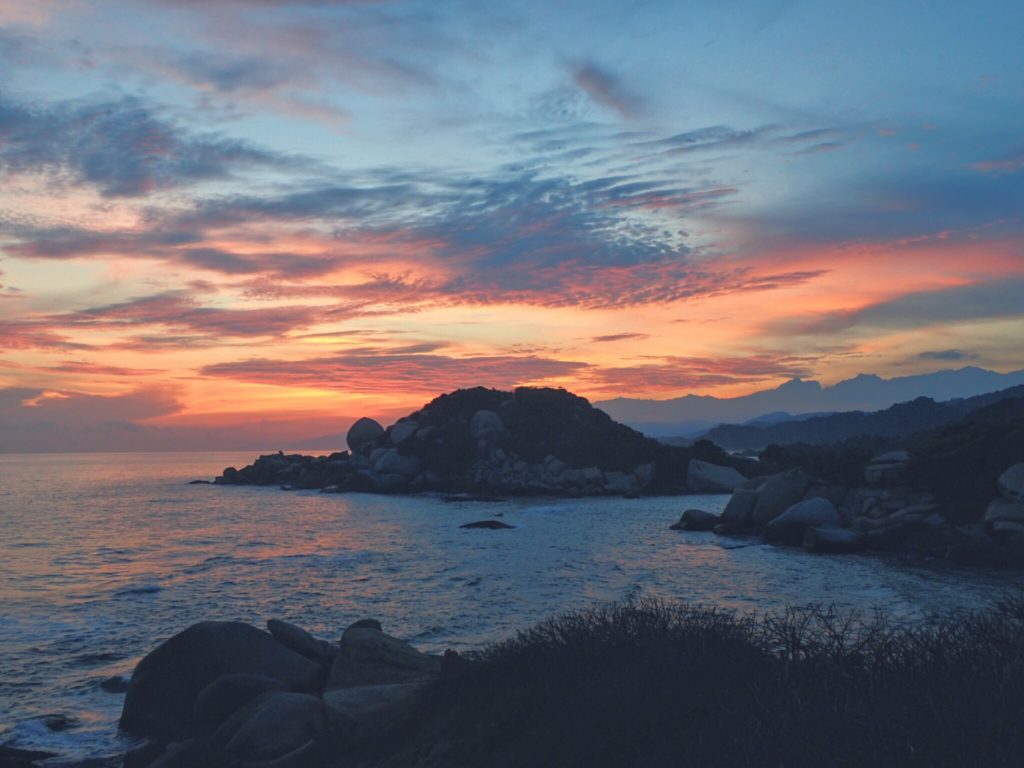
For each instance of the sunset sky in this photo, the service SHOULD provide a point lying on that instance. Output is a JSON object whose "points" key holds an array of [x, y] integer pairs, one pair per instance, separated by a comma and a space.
{"points": [[261, 219]]}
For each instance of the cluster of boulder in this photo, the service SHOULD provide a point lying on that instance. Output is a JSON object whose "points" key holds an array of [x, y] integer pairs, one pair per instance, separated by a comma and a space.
{"points": [[883, 514], [533, 441], [227, 693]]}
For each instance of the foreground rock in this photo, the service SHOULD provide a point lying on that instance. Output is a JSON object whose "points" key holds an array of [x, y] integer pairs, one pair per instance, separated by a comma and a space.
{"points": [[485, 442], [165, 685], [226, 693]]}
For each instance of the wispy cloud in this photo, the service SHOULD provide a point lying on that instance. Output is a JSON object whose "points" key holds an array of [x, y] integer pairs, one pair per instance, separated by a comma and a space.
{"points": [[606, 89]]}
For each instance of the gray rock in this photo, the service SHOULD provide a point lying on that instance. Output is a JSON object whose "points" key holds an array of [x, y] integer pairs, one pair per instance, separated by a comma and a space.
{"points": [[1004, 509], [705, 477], [391, 462], [402, 431], [1011, 482], [486, 426], [273, 726], [165, 684], [887, 469], [791, 524], [363, 432], [834, 493], [226, 695], [777, 495], [644, 474], [593, 475], [493, 525], [832, 540], [1008, 526], [299, 640], [740, 508], [368, 656], [619, 482], [363, 702], [696, 520]]}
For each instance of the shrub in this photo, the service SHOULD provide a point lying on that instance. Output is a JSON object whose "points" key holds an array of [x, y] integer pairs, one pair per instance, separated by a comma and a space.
{"points": [[661, 684]]}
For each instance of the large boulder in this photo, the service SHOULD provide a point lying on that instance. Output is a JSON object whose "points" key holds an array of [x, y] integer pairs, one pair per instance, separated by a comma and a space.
{"points": [[705, 477], [363, 432], [1011, 483], [364, 702], [696, 520], [738, 511], [270, 727], [486, 426], [391, 462], [778, 494], [791, 524], [368, 656], [402, 431], [1004, 509], [297, 639], [166, 683], [226, 695]]}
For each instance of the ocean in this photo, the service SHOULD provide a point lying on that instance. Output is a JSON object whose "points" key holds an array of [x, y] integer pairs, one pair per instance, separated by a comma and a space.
{"points": [[104, 555]]}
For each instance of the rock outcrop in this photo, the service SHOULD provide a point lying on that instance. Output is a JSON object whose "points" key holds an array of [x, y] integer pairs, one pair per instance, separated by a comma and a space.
{"points": [[487, 442], [226, 693]]}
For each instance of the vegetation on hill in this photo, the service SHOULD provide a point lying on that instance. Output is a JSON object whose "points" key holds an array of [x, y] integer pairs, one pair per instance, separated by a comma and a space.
{"points": [[960, 463], [894, 423]]}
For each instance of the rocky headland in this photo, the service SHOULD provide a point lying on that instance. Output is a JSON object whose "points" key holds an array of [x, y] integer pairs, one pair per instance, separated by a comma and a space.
{"points": [[955, 493], [532, 441]]}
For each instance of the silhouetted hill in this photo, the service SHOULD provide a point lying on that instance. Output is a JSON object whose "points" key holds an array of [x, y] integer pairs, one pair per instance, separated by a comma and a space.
{"points": [[486, 441], [894, 423], [866, 392]]}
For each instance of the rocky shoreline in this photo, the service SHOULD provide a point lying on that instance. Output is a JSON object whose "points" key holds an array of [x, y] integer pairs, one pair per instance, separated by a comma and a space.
{"points": [[885, 514]]}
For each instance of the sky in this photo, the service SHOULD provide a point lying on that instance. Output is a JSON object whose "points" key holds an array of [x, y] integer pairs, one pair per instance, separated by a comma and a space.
{"points": [[228, 222]]}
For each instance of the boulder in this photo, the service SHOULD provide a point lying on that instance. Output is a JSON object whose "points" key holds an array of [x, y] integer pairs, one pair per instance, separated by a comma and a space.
{"points": [[791, 524], [1004, 509], [367, 656], [887, 469], [165, 684], [363, 432], [486, 426], [834, 493], [777, 495], [490, 525], [705, 477], [391, 462], [297, 639], [1011, 483], [272, 726], [226, 695], [738, 511], [402, 431], [363, 702], [832, 540], [696, 520]]}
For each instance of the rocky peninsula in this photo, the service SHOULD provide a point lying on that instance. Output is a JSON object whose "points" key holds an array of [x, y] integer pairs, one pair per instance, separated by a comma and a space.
{"points": [[531, 441]]}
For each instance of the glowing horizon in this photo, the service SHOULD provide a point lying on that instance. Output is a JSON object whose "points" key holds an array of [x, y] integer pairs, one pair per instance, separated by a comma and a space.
{"points": [[279, 216]]}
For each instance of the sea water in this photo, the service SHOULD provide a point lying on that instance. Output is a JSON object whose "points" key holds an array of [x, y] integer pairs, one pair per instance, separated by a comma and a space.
{"points": [[102, 556]]}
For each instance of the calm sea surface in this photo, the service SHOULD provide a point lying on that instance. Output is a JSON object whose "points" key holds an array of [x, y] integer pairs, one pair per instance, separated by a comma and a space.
{"points": [[104, 555]]}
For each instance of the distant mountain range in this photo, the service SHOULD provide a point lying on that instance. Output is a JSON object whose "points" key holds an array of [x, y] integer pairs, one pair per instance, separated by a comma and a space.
{"points": [[693, 414], [894, 423]]}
